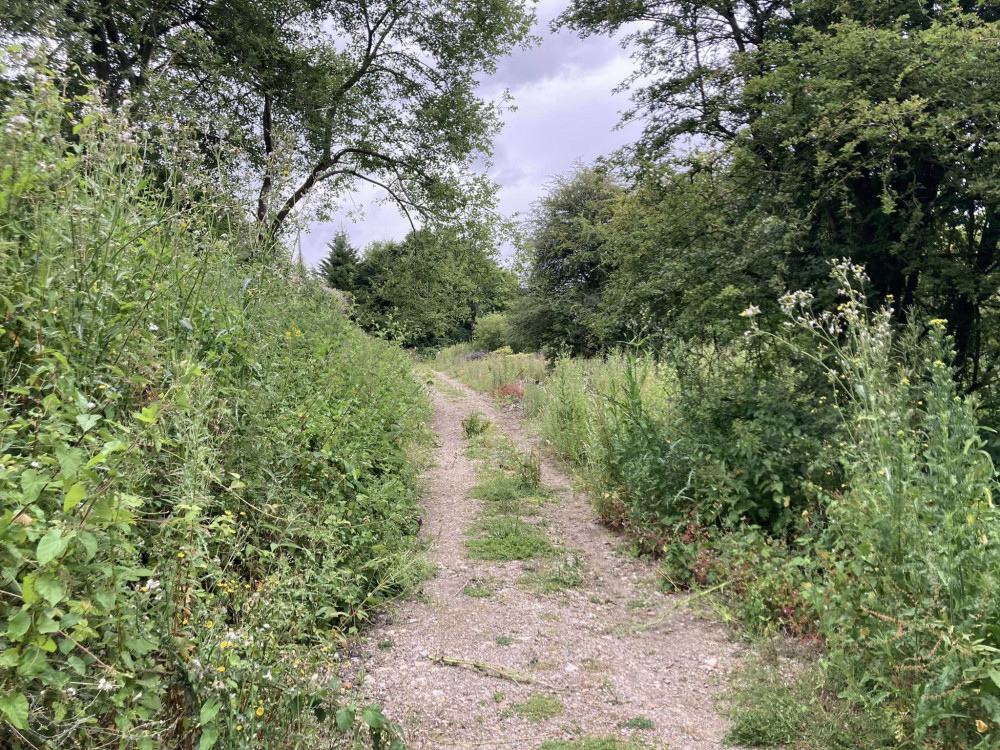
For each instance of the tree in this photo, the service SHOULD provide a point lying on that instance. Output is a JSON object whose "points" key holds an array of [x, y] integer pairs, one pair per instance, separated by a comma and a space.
{"points": [[564, 261], [429, 289], [340, 266], [316, 95], [694, 59], [883, 141], [863, 128], [687, 251]]}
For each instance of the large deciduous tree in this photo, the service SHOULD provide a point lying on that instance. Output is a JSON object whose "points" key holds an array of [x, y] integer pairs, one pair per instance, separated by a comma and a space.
{"points": [[565, 262], [865, 128], [429, 289], [318, 95]]}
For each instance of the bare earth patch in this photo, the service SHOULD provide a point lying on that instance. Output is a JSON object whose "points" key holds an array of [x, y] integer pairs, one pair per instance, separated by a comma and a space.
{"points": [[568, 652]]}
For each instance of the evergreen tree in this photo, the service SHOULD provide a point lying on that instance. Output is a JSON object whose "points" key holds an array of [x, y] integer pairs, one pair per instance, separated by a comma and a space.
{"points": [[339, 268]]}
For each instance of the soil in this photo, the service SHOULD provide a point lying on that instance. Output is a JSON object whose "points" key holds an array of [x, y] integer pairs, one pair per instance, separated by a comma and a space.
{"points": [[577, 645]]}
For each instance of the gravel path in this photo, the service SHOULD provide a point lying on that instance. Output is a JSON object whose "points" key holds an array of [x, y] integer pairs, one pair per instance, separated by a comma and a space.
{"points": [[575, 641]]}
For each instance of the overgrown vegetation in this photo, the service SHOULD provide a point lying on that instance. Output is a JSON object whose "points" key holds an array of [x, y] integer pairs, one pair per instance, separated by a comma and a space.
{"points": [[841, 493], [206, 472], [428, 290], [824, 458]]}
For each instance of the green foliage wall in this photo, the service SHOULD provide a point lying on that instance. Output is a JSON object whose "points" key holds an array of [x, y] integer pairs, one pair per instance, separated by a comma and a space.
{"points": [[206, 471], [429, 289]]}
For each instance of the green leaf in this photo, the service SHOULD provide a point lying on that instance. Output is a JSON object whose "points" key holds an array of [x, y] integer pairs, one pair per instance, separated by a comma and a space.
{"points": [[89, 542], [15, 709], [19, 625], [51, 546], [209, 711], [74, 496], [51, 588], [87, 421], [995, 676], [31, 485], [148, 413], [77, 664], [70, 460], [372, 716], [209, 736], [29, 594], [345, 718]]}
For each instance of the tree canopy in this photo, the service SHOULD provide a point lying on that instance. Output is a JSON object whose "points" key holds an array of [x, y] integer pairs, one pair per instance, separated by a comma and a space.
{"points": [[312, 96], [824, 129], [429, 289], [564, 261]]}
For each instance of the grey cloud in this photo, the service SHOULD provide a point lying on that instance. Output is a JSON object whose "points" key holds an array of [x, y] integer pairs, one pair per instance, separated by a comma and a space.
{"points": [[566, 112]]}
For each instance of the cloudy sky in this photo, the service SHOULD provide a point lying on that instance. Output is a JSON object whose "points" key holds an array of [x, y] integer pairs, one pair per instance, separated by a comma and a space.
{"points": [[566, 112]]}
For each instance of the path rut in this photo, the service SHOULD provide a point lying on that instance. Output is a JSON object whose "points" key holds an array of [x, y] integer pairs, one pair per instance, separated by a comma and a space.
{"points": [[574, 640]]}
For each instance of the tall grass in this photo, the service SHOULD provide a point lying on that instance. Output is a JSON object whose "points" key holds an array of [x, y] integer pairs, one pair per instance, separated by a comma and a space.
{"points": [[206, 475], [489, 372], [836, 479]]}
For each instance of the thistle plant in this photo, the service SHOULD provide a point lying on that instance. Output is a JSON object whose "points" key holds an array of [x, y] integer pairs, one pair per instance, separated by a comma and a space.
{"points": [[912, 545]]}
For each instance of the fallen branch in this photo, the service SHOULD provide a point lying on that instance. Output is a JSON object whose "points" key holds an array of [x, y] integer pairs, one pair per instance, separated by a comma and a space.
{"points": [[493, 670], [494, 743], [670, 610]]}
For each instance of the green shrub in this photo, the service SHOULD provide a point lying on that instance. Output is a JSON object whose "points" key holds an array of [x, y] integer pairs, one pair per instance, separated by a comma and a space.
{"points": [[491, 332], [205, 470], [789, 701], [475, 424]]}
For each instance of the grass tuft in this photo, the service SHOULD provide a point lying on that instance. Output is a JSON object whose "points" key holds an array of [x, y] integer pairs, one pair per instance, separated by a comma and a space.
{"points": [[507, 539], [540, 708], [639, 723], [567, 574]]}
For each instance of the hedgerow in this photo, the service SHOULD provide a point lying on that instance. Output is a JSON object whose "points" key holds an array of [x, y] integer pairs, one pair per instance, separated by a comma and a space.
{"points": [[207, 473]]}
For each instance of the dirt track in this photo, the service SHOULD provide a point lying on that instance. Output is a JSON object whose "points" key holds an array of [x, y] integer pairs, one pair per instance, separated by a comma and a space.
{"points": [[575, 643]]}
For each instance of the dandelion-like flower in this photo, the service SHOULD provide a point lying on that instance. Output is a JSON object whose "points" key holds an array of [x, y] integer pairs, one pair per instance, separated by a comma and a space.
{"points": [[751, 312]]}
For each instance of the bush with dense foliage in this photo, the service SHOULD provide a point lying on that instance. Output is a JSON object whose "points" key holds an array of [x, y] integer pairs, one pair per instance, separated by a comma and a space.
{"points": [[206, 472], [491, 332]]}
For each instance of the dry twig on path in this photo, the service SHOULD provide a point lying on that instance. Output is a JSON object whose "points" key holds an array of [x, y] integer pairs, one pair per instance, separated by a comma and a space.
{"points": [[493, 670], [656, 622]]}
